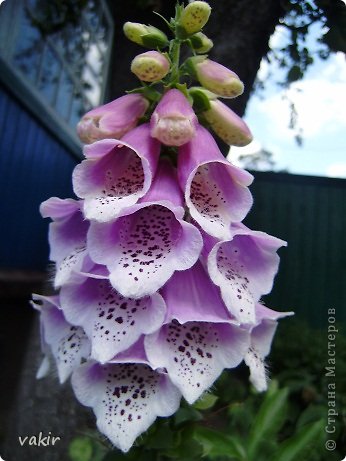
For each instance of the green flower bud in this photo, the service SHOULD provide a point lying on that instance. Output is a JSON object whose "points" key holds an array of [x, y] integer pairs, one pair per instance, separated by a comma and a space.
{"points": [[151, 66], [194, 16], [148, 36], [201, 43]]}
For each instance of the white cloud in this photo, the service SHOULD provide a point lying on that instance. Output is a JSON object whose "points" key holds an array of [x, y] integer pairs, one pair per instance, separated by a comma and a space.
{"points": [[319, 100], [279, 38], [336, 170], [252, 148], [263, 71]]}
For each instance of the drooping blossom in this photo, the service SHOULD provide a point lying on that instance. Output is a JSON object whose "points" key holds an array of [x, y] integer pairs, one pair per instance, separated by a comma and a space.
{"points": [[227, 124], [67, 236], [112, 120], [113, 323], [116, 174], [216, 192], [173, 122], [126, 395], [244, 268], [199, 339], [66, 342], [148, 241], [150, 66], [261, 338]]}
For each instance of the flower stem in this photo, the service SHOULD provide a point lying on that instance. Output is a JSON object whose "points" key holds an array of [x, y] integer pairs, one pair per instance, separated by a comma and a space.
{"points": [[175, 57]]}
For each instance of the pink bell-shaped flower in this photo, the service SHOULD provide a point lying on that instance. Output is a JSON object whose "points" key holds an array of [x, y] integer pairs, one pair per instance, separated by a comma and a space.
{"points": [[216, 192], [112, 120], [173, 122]]}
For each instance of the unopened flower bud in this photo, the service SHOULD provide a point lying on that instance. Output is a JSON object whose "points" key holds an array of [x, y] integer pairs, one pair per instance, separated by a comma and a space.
{"points": [[151, 66], [215, 77], [112, 120], [227, 124], [194, 16], [148, 36], [173, 122], [201, 43]]}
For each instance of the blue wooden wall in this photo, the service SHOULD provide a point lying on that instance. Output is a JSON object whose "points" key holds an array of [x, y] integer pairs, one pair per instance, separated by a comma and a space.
{"points": [[33, 167]]}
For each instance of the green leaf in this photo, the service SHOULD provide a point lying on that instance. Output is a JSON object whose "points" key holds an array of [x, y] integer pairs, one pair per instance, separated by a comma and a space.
{"points": [[183, 88], [196, 41], [153, 41], [185, 414], [112, 456], [269, 419], [185, 447], [99, 451], [206, 401], [311, 414], [296, 447], [218, 444], [151, 94], [161, 439], [80, 449], [201, 98]]}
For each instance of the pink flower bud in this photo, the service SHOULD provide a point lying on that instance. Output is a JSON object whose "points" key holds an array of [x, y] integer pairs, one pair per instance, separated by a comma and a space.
{"points": [[150, 66], [216, 78], [112, 120], [227, 124], [173, 122]]}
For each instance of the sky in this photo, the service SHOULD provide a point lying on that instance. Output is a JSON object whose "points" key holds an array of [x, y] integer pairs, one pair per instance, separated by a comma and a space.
{"points": [[320, 100]]}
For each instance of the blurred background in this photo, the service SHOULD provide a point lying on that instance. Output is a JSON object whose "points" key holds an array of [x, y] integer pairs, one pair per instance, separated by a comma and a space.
{"points": [[61, 58]]}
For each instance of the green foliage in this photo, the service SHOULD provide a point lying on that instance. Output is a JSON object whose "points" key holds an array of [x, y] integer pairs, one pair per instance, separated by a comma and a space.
{"points": [[296, 447], [269, 419], [81, 449], [217, 444], [206, 401]]}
